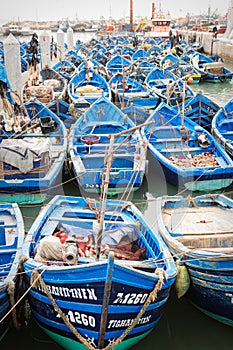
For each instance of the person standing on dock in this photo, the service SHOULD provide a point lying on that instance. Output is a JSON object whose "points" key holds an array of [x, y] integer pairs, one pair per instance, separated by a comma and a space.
{"points": [[33, 78], [34, 50], [53, 49]]}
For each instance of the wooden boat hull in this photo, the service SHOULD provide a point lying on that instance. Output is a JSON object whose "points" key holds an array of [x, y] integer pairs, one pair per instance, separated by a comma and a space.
{"points": [[198, 231], [97, 300], [129, 91], [11, 240], [195, 180], [82, 89], [211, 292], [84, 312], [32, 164], [201, 110], [120, 181], [74, 345], [187, 163], [222, 127], [226, 77], [128, 164]]}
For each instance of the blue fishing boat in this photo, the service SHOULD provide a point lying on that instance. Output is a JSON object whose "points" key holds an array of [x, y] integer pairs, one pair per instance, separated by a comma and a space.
{"points": [[117, 63], [197, 46], [198, 232], [52, 86], [136, 114], [140, 54], [165, 85], [155, 50], [128, 91], [73, 57], [93, 62], [128, 52], [33, 144], [211, 70], [222, 127], [180, 68], [189, 155], [101, 127], [87, 86], [11, 241], [65, 111], [200, 109], [139, 69], [65, 68], [102, 292], [52, 78]]}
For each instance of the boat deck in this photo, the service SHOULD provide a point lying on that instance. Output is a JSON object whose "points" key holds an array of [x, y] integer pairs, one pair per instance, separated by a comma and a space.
{"points": [[199, 228]]}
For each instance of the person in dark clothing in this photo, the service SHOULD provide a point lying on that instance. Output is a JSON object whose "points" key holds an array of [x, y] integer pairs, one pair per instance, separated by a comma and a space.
{"points": [[53, 50], [215, 29], [34, 50], [177, 38], [172, 41], [135, 42]]}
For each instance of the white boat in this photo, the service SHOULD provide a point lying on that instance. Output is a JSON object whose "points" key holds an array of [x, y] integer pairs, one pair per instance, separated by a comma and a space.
{"points": [[93, 28], [160, 26], [11, 29]]}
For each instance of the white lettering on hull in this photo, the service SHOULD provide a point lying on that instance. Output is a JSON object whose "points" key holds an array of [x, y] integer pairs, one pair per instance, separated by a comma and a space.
{"points": [[75, 293], [130, 298], [127, 322]]}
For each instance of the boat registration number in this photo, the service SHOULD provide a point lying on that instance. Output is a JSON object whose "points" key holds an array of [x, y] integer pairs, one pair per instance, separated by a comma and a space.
{"points": [[80, 318], [130, 298]]}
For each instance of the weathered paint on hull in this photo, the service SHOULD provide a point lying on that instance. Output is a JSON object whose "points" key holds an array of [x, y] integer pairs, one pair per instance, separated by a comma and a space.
{"points": [[70, 344], [22, 198]]}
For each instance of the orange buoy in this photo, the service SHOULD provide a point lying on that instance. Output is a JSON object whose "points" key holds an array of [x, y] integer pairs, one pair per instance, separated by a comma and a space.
{"points": [[190, 80]]}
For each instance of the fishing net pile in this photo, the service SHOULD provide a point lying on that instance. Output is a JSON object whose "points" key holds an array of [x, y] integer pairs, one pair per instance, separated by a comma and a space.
{"points": [[202, 160]]}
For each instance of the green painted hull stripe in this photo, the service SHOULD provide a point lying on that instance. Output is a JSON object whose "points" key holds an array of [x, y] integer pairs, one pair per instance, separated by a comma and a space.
{"points": [[70, 344]]}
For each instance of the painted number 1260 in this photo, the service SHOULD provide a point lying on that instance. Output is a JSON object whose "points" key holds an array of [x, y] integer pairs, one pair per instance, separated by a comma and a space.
{"points": [[130, 298], [80, 318]]}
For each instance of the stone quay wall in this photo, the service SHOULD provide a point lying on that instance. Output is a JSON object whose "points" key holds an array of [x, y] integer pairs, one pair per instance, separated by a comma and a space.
{"points": [[219, 46]]}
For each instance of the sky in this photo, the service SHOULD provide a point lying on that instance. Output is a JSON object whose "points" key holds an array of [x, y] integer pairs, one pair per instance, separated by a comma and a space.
{"points": [[43, 10]]}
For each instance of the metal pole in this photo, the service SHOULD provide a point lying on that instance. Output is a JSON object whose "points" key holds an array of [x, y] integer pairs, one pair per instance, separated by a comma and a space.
{"points": [[131, 15]]}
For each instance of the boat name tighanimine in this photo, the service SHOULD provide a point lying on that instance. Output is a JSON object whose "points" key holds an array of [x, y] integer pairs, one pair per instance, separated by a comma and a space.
{"points": [[127, 322], [77, 293]]}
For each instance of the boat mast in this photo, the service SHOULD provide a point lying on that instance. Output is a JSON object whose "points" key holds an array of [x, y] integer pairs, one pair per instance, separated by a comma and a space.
{"points": [[101, 216], [131, 16], [104, 198]]}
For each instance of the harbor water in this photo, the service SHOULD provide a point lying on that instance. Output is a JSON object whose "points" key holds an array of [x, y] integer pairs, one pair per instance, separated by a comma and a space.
{"points": [[182, 326]]}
